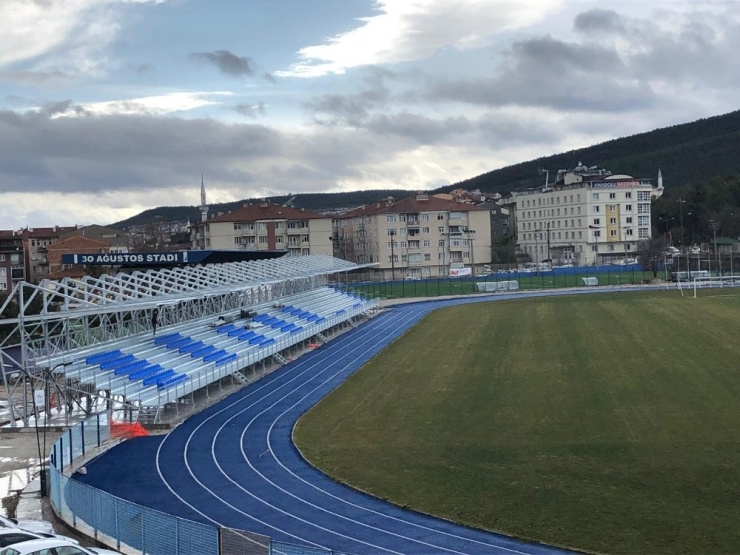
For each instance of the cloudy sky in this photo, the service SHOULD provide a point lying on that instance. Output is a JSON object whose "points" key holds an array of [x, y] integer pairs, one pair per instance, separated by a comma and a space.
{"points": [[109, 107]]}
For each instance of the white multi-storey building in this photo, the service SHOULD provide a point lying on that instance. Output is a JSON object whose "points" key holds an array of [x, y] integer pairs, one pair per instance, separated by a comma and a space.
{"points": [[588, 216]]}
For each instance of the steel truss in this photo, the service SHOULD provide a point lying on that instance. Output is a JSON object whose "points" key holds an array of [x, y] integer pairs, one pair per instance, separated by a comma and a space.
{"points": [[79, 314]]}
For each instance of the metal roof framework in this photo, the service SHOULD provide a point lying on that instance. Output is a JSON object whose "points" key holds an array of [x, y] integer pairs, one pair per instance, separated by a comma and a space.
{"points": [[79, 314]]}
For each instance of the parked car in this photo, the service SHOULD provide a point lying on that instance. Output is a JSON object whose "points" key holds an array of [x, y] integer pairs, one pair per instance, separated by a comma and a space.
{"points": [[53, 547], [11, 536], [37, 526]]}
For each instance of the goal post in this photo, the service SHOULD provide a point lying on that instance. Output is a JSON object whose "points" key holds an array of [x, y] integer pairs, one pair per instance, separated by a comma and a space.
{"points": [[715, 282]]}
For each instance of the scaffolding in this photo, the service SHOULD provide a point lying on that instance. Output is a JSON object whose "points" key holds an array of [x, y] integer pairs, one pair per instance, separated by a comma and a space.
{"points": [[57, 319]]}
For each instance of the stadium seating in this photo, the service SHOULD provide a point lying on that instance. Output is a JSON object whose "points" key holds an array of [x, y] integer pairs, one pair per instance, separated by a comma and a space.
{"points": [[157, 370]]}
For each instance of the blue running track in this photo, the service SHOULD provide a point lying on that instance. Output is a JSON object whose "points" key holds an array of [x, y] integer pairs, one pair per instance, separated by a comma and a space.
{"points": [[235, 464]]}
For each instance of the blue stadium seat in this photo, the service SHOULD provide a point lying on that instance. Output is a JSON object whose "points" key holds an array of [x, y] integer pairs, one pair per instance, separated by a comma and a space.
{"points": [[278, 324], [156, 377], [356, 305], [305, 314], [103, 357], [226, 358], [260, 317], [269, 321], [138, 365], [162, 339], [288, 308], [256, 339], [341, 311], [225, 329], [313, 318], [246, 334], [320, 320], [172, 380], [296, 311], [145, 372], [236, 331], [179, 342], [214, 355], [267, 341], [289, 327], [117, 362], [207, 350], [190, 347], [296, 329]]}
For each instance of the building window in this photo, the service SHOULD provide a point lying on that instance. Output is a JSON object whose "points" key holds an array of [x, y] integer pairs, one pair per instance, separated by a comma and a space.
{"points": [[612, 221], [643, 208], [612, 208], [611, 248], [558, 235], [597, 233], [427, 257], [263, 239], [597, 208], [262, 226], [643, 220], [425, 230], [579, 209], [391, 232], [426, 242], [628, 246], [597, 221], [596, 196], [628, 207], [613, 233], [628, 194], [441, 229], [642, 233], [305, 252], [425, 217], [393, 258], [392, 244], [391, 219], [279, 239], [441, 243], [440, 216], [629, 219], [403, 244], [415, 257], [628, 231], [441, 256], [595, 248], [643, 196], [612, 196], [404, 258]]}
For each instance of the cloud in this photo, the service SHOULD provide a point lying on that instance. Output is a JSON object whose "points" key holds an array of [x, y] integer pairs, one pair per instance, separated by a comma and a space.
{"points": [[250, 110], [404, 31], [72, 34], [35, 77], [599, 21], [150, 105], [226, 62]]}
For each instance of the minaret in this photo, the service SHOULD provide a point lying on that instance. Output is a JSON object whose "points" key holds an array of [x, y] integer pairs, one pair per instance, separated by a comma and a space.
{"points": [[203, 205], [660, 180]]}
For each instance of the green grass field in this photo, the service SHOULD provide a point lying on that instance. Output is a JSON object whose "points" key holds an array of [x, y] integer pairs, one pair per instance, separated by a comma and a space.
{"points": [[608, 423]]}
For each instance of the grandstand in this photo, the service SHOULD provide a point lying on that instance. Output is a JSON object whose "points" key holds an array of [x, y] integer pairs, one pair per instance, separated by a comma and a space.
{"points": [[94, 340]]}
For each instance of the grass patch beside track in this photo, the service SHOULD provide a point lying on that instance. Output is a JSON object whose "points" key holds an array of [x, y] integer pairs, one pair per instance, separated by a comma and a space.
{"points": [[608, 423]]}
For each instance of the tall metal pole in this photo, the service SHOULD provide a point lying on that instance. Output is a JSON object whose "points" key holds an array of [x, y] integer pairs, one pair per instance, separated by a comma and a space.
{"points": [[393, 255], [548, 244], [680, 204]]}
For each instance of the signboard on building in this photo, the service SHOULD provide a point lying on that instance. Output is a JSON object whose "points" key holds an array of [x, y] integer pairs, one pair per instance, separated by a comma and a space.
{"points": [[460, 272], [615, 184], [113, 259]]}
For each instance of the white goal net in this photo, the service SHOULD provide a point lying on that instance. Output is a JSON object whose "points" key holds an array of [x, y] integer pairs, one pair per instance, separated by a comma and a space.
{"points": [[715, 282]]}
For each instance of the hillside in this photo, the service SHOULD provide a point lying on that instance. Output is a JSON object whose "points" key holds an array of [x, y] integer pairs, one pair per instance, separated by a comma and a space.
{"points": [[689, 153], [686, 153]]}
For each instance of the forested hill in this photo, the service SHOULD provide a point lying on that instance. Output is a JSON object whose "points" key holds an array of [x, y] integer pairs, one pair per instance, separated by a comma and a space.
{"points": [[690, 153], [687, 153], [309, 201]]}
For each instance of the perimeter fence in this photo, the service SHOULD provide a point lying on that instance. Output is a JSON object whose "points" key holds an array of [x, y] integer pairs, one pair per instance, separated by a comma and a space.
{"points": [[132, 528], [371, 285]]}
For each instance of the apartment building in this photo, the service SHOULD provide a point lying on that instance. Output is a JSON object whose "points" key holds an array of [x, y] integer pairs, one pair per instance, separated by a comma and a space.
{"points": [[588, 216], [73, 244], [35, 243], [419, 236], [265, 226], [12, 267]]}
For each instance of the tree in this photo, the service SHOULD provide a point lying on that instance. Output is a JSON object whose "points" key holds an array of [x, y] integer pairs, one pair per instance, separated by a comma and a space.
{"points": [[651, 252]]}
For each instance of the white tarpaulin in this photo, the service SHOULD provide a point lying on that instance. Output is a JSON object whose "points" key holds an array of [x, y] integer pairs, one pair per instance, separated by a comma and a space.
{"points": [[459, 272], [494, 286]]}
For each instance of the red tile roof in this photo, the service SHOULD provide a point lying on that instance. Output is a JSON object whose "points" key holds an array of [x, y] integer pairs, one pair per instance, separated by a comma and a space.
{"points": [[411, 205], [266, 211]]}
